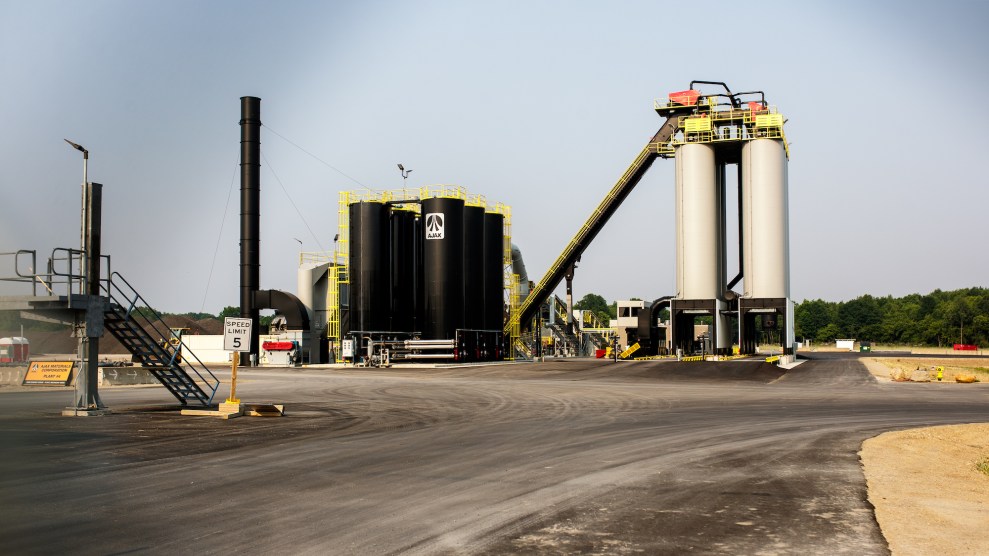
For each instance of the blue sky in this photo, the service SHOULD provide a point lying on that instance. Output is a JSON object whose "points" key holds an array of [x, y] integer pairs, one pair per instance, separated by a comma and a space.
{"points": [[541, 105]]}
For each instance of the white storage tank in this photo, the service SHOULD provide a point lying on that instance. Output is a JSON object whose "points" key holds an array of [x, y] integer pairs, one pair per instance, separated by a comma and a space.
{"points": [[699, 257], [765, 220], [312, 286]]}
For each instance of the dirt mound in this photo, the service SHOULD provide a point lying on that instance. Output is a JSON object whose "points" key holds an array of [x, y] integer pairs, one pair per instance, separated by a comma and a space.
{"points": [[204, 326]]}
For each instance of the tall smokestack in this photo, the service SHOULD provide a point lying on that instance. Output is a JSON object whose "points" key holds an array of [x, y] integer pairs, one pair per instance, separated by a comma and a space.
{"points": [[250, 213]]}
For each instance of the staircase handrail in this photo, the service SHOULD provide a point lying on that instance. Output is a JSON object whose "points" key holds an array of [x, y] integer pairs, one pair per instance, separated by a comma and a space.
{"points": [[131, 301]]}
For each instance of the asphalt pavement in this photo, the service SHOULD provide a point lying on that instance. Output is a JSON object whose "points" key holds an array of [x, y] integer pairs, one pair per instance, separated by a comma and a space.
{"points": [[561, 457]]}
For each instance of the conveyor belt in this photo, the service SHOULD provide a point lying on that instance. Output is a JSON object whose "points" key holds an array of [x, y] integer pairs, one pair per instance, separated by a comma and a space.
{"points": [[595, 222]]}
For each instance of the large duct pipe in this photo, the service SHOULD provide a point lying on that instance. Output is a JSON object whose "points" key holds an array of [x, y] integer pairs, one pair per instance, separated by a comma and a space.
{"points": [[250, 215], [518, 267]]}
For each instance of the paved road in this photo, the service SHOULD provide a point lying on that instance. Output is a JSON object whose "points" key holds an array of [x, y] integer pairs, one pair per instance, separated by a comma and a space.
{"points": [[561, 457]]}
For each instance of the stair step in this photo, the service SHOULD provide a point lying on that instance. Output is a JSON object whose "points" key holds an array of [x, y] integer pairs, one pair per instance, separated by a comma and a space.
{"points": [[160, 361]]}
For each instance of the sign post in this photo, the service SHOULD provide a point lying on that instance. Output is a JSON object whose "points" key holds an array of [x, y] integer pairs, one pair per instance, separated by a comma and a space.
{"points": [[233, 378], [236, 338]]}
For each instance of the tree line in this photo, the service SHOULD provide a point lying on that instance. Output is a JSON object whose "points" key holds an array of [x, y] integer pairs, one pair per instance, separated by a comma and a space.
{"points": [[939, 318]]}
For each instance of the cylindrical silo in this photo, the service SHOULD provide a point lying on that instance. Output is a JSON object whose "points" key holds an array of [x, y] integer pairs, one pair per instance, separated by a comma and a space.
{"points": [[370, 267], [474, 267], [765, 226], [699, 237], [420, 294], [494, 271], [403, 270], [443, 269]]}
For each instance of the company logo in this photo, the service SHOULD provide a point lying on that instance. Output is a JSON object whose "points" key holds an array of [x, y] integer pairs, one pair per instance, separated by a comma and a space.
{"points": [[434, 225]]}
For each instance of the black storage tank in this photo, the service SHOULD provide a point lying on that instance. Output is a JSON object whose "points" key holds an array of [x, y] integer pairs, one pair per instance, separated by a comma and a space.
{"points": [[370, 267], [443, 269], [419, 316], [494, 271], [403, 270], [474, 267]]}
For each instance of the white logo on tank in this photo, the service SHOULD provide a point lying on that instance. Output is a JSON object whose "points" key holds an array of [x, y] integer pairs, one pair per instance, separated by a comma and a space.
{"points": [[434, 225]]}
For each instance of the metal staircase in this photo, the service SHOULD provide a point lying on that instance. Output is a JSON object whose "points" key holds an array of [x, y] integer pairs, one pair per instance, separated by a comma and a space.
{"points": [[559, 325], [145, 335]]}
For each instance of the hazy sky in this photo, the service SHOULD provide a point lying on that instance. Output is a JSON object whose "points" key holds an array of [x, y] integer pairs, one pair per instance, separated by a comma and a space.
{"points": [[541, 105]]}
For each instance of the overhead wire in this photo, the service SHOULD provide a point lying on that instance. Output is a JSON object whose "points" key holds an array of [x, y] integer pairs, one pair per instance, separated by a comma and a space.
{"points": [[219, 235], [226, 207], [320, 160], [297, 211]]}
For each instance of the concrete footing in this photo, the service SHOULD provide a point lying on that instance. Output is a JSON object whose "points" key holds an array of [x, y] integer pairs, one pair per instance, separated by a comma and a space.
{"points": [[232, 410], [83, 412]]}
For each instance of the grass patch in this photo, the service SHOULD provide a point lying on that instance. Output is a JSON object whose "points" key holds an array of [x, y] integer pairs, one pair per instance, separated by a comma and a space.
{"points": [[983, 466]]}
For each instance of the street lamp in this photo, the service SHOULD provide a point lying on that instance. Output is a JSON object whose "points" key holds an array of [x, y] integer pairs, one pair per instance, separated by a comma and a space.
{"points": [[82, 213], [405, 176]]}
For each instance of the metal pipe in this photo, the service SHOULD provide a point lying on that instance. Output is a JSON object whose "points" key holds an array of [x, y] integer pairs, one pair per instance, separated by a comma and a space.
{"points": [[421, 343], [518, 267], [82, 216], [741, 242], [85, 213], [250, 216], [762, 96], [734, 101]]}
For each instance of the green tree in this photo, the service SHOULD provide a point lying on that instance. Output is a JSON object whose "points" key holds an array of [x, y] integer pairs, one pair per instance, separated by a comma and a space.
{"points": [[595, 303], [960, 311], [828, 333], [229, 312], [196, 316], [812, 316], [856, 316]]}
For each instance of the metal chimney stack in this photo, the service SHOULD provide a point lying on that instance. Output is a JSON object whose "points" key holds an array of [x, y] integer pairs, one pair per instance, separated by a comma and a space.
{"points": [[250, 214]]}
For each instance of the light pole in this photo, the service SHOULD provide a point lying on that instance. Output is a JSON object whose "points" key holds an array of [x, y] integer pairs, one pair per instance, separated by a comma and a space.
{"points": [[87, 398], [405, 176], [300, 249], [82, 218]]}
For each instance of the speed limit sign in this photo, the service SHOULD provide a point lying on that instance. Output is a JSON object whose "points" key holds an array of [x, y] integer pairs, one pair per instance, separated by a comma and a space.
{"points": [[237, 334]]}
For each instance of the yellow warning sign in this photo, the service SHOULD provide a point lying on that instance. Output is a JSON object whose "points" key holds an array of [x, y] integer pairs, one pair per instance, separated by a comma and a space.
{"points": [[49, 373]]}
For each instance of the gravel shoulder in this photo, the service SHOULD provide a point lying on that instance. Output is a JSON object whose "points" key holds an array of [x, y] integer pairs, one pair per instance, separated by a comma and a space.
{"points": [[928, 495], [929, 498]]}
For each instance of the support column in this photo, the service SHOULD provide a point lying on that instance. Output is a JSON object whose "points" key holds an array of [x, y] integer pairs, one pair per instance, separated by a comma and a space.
{"points": [[87, 395]]}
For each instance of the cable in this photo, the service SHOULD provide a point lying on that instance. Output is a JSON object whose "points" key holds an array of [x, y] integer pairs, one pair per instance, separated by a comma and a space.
{"points": [[219, 236], [325, 163], [297, 211]]}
